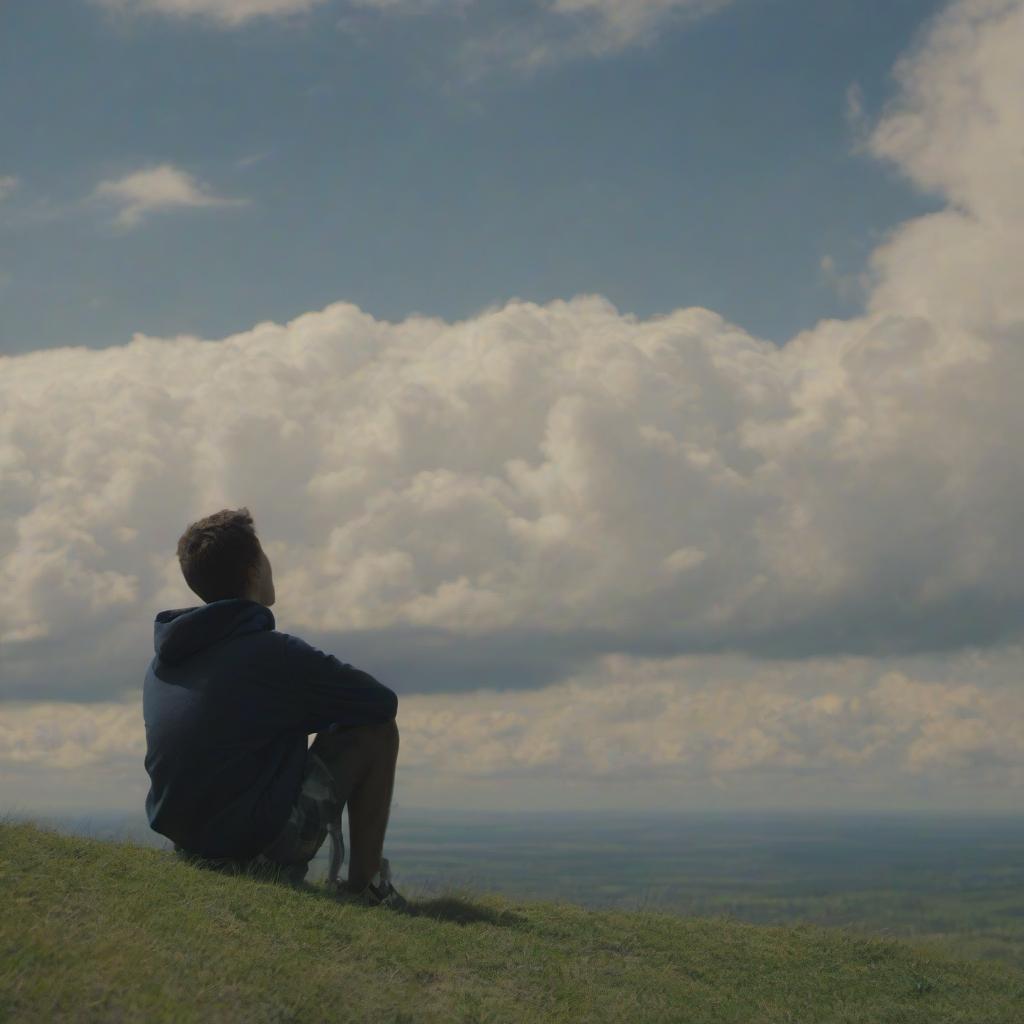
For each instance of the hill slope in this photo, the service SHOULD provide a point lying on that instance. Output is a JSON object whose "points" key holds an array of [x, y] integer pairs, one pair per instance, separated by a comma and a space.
{"points": [[98, 931]]}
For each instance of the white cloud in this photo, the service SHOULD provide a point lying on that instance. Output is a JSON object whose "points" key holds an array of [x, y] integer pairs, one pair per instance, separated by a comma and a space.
{"points": [[8, 183], [561, 30], [956, 123], [665, 734], [553, 30], [229, 13], [720, 724], [616, 24], [672, 484], [155, 189], [955, 129], [68, 736]]}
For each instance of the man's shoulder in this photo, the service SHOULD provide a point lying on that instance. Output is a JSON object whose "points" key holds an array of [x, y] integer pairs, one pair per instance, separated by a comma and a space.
{"points": [[293, 646], [289, 643]]}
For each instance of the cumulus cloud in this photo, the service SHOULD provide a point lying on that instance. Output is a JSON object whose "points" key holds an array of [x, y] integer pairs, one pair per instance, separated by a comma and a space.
{"points": [[228, 13], [560, 472], [156, 189], [954, 129]]}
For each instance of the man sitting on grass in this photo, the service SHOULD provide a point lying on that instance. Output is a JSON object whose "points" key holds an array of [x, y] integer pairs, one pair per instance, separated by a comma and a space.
{"points": [[229, 704]]}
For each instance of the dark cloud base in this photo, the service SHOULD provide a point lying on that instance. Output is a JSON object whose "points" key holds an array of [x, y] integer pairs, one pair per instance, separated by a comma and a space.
{"points": [[429, 660], [417, 660]]}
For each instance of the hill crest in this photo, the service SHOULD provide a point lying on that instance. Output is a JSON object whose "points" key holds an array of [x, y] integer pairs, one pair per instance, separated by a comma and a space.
{"points": [[100, 931]]}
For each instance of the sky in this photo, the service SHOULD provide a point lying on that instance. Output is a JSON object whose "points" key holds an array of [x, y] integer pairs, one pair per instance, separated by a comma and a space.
{"points": [[632, 385], [351, 153]]}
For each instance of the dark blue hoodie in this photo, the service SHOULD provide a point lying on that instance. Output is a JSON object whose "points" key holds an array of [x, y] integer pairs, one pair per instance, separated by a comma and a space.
{"points": [[229, 704]]}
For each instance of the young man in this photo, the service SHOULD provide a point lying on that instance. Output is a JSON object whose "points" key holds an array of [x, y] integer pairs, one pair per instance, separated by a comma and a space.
{"points": [[229, 703]]}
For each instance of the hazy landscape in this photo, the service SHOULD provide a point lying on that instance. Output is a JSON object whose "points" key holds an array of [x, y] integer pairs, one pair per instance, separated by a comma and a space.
{"points": [[956, 881]]}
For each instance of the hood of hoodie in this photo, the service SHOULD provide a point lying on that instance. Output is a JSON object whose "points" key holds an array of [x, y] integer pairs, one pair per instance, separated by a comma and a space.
{"points": [[181, 632]]}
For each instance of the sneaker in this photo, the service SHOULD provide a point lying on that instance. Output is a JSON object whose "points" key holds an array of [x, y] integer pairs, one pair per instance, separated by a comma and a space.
{"points": [[381, 893]]}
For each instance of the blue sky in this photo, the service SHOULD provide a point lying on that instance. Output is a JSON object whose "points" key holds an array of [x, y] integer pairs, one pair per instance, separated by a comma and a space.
{"points": [[714, 166]]}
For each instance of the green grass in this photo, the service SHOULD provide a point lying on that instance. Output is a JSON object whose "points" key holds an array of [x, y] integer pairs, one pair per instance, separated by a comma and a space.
{"points": [[97, 931]]}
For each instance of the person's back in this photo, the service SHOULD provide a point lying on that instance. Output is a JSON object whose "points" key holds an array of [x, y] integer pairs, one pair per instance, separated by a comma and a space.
{"points": [[229, 703], [224, 749]]}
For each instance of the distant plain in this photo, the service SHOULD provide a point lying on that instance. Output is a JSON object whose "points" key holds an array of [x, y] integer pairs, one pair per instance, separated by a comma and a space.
{"points": [[954, 881]]}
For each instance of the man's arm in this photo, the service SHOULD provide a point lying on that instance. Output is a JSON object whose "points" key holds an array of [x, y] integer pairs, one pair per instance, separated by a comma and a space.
{"points": [[334, 692]]}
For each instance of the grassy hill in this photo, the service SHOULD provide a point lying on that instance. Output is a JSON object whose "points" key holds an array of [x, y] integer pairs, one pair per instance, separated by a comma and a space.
{"points": [[97, 931]]}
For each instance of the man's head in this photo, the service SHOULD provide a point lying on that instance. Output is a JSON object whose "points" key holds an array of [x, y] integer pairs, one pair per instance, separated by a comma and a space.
{"points": [[221, 557]]}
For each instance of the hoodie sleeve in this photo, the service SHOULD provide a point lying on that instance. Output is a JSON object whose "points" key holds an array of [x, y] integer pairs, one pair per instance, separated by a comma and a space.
{"points": [[334, 692]]}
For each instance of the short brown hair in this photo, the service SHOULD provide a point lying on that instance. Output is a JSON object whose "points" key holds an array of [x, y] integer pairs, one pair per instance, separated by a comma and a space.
{"points": [[219, 554]]}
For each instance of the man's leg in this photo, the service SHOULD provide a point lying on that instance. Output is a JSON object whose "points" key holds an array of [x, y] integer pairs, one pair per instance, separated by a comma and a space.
{"points": [[362, 762]]}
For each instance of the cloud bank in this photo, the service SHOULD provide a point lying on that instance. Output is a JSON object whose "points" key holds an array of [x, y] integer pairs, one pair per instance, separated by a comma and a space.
{"points": [[665, 731]]}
